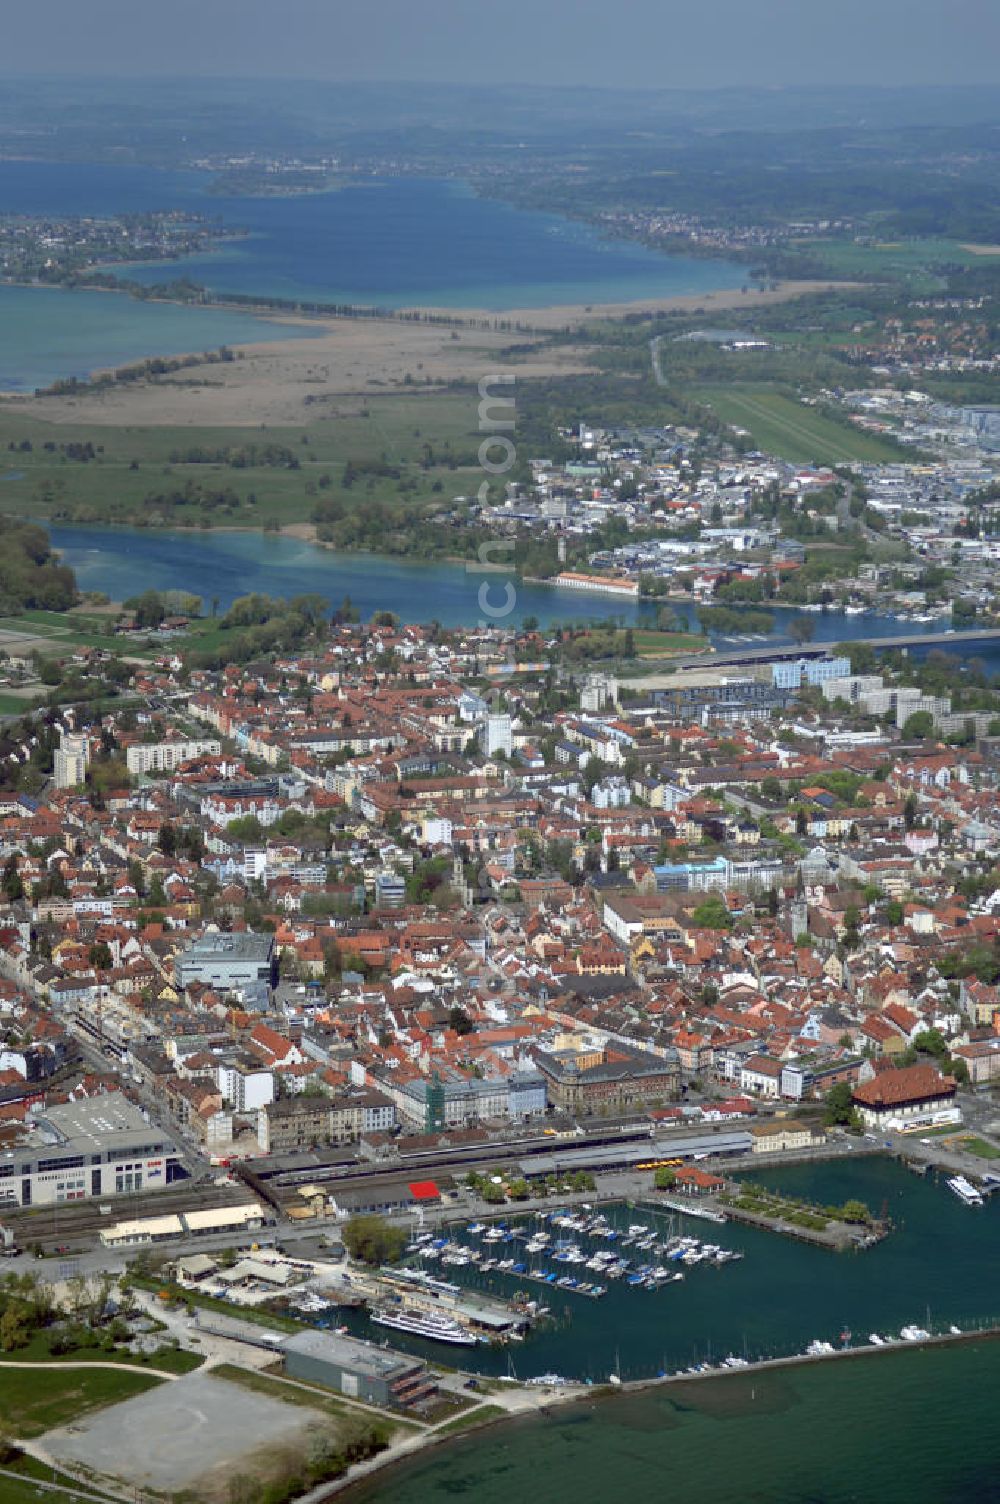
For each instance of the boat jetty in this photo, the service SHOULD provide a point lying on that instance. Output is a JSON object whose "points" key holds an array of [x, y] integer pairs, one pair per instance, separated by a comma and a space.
{"points": [[578, 1252]]}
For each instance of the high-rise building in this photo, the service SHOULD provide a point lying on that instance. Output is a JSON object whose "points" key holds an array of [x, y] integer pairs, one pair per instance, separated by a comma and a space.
{"points": [[70, 762], [496, 735]]}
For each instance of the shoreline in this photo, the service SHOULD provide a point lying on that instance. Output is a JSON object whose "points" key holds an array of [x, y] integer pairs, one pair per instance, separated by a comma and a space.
{"points": [[563, 1396], [531, 322]]}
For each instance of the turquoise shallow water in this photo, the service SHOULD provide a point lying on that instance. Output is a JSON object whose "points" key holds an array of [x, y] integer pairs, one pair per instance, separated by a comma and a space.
{"points": [[908, 1427], [48, 333]]}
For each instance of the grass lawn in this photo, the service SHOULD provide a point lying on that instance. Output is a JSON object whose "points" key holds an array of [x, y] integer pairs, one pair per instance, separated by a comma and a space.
{"points": [[33, 1400], [430, 436], [473, 1417], [651, 644], [32, 1471], [21, 1490], [170, 1359], [979, 1147], [17, 704], [781, 426]]}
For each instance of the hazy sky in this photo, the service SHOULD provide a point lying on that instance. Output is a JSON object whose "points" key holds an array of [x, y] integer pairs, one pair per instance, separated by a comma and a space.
{"points": [[671, 43]]}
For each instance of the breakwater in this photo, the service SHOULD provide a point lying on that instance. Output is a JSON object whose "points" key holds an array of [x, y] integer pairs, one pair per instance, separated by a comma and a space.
{"points": [[789, 1431]]}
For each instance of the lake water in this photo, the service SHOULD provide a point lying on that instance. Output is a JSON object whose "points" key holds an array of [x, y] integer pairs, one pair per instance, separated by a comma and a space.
{"points": [[395, 242], [401, 241], [909, 1427], [48, 332]]}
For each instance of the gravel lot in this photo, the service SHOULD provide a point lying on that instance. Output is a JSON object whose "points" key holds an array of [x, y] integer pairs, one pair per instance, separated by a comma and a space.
{"points": [[177, 1433]]}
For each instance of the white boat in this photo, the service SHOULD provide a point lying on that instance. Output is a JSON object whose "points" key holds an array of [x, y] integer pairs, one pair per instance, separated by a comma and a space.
{"points": [[818, 1349], [876, 1340], [965, 1190], [432, 1325], [914, 1334], [309, 1302]]}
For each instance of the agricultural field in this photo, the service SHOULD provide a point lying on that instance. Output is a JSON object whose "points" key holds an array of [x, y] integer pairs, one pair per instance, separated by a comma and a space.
{"points": [[908, 261], [780, 425]]}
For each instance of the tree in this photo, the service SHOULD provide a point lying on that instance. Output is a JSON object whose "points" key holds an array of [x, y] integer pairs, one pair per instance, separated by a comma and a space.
{"points": [[14, 1330], [839, 1104], [919, 726], [373, 1240], [801, 629], [13, 887], [459, 1020], [665, 1178], [149, 610], [712, 914], [932, 1042], [855, 1211], [167, 840], [852, 933], [100, 956]]}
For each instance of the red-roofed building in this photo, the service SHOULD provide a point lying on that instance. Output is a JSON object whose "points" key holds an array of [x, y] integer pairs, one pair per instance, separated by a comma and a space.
{"points": [[424, 1192], [916, 1096], [694, 1182]]}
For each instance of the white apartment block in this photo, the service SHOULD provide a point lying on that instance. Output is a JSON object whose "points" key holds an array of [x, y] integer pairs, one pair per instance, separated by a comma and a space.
{"points": [[164, 757], [70, 762]]}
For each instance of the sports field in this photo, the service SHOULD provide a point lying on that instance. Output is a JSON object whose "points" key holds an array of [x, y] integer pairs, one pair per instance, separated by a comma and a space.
{"points": [[787, 428]]}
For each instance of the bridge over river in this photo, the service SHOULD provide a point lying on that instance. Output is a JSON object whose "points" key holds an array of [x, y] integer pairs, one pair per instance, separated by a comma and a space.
{"points": [[748, 656]]}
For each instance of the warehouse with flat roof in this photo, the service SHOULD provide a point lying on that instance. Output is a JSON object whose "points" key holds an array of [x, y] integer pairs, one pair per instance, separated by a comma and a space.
{"points": [[231, 962], [102, 1146], [375, 1374]]}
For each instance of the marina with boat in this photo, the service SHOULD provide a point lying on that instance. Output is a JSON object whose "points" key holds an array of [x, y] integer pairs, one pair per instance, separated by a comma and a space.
{"points": [[638, 1255], [495, 1291]]}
